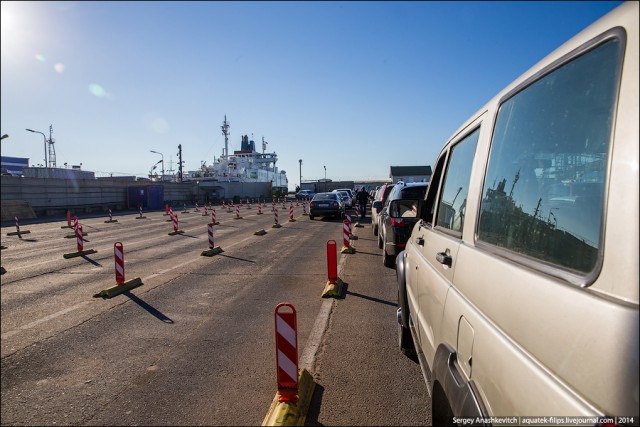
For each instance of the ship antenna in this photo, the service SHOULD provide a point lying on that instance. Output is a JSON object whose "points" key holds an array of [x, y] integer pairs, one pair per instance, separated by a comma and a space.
{"points": [[264, 145], [225, 132]]}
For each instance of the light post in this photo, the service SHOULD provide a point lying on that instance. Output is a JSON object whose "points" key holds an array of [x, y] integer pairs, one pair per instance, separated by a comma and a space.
{"points": [[300, 161], [325, 178], [162, 160], [45, 146]]}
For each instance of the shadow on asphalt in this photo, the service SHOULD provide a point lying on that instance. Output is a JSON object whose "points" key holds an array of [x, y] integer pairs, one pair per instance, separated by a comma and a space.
{"points": [[86, 258], [157, 314], [314, 407], [239, 259], [381, 301]]}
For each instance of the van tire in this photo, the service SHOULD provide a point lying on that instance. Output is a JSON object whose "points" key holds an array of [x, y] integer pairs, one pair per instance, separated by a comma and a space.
{"points": [[311, 217], [375, 230], [387, 260]]}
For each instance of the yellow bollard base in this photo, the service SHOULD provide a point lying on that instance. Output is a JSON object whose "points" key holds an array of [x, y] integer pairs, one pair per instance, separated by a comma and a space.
{"points": [[288, 413], [118, 289], [333, 289], [260, 232], [212, 252], [76, 254], [17, 233], [348, 250], [173, 233]]}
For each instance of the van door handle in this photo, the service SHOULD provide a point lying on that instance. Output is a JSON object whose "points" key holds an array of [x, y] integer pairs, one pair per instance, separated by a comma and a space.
{"points": [[420, 241], [444, 259]]}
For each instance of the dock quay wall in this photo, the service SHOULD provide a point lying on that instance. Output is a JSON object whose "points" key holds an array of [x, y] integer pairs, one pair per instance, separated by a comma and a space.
{"points": [[54, 196]]}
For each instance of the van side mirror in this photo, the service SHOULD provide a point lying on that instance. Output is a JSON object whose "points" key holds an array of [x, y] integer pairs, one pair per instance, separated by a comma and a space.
{"points": [[377, 205]]}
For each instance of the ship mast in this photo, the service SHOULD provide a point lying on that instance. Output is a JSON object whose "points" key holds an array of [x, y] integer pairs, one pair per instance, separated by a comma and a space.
{"points": [[225, 132]]}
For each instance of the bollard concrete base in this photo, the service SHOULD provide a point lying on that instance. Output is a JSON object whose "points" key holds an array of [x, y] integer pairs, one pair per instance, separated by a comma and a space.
{"points": [[173, 233], [18, 233], [292, 220], [140, 217], [353, 237], [276, 226], [3, 247], [212, 252], [348, 250], [288, 413], [2, 270], [260, 232], [69, 226], [260, 213], [359, 225], [109, 221], [118, 289], [334, 289], [76, 254], [238, 217]]}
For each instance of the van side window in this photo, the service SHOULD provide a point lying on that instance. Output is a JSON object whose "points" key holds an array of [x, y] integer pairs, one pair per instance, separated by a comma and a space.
{"points": [[544, 188], [426, 212], [453, 197]]}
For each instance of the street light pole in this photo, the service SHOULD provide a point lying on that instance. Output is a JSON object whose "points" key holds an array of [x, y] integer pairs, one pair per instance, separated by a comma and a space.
{"points": [[300, 173], [161, 161], [46, 165]]}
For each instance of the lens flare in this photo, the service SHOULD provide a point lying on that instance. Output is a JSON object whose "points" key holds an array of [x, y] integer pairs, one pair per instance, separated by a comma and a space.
{"points": [[40, 58], [59, 67], [97, 90]]}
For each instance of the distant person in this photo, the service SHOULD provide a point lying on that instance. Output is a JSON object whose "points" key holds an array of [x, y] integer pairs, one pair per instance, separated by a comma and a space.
{"points": [[362, 197]]}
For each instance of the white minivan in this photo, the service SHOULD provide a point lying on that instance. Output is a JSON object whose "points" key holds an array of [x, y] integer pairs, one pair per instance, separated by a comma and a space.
{"points": [[518, 288]]}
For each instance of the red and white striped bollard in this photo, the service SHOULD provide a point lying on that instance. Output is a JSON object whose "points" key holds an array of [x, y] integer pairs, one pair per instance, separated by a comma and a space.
{"points": [[79, 240], [118, 254], [174, 218], [286, 331], [210, 232]]}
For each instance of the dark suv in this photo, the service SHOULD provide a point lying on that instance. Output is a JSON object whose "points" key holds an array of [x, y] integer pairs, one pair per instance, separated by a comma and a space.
{"points": [[397, 219]]}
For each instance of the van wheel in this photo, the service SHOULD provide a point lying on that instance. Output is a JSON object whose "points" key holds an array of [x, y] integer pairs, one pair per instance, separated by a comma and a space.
{"points": [[380, 244], [405, 342], [375, 230], [311, 217], [387, 259]]}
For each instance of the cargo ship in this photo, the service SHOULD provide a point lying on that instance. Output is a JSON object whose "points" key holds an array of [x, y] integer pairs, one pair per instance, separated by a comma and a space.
{"points": [[244, 165]]}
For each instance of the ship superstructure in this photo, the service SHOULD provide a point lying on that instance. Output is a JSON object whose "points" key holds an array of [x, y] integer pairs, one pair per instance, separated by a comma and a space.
{"points": [[244, 165]]}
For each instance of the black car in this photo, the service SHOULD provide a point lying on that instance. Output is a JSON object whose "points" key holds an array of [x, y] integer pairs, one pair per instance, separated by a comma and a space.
{"points": [[398, 218], [326, 204]]}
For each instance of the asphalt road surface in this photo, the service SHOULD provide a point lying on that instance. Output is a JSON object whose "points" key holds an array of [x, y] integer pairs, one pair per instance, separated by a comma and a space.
{"points": [[194, 345]]}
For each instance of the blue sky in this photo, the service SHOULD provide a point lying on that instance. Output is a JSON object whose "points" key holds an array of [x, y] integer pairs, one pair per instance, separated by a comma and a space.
{"points": [[353, 86]]}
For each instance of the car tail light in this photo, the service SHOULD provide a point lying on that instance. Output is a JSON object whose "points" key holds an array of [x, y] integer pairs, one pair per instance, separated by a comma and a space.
{"points": [[335, 204], [401, 245], [311, 204], [398, 222]]}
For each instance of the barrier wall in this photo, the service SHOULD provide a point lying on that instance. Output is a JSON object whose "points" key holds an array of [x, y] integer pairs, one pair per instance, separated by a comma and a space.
{"points": [[53, 196]]}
